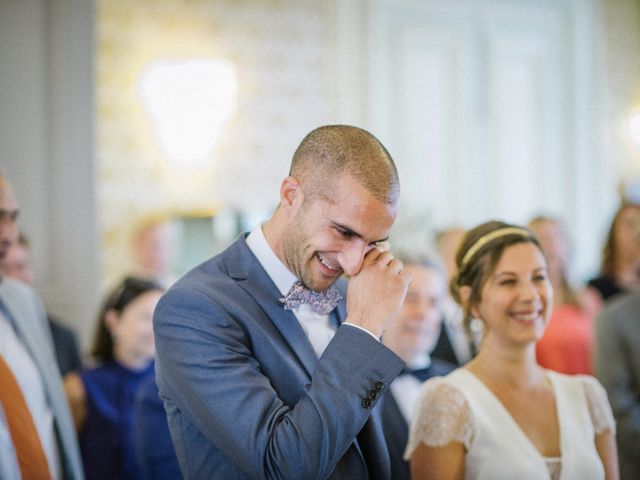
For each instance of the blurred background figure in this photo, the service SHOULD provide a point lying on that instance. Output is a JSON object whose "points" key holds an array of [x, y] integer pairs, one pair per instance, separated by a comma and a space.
{"points": [[17, 265], [617, 364], [413, 337], [454, 343], [566, 344], [36, 431], [153, 250], [620, 264], [102, 397], [151, 436]]}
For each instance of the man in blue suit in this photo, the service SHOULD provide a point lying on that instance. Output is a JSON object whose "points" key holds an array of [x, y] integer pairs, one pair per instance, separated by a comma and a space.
{"points": [[258, 383]]}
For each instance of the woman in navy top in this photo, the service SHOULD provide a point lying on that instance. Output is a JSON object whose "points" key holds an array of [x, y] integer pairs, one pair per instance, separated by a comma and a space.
{"points": [[102, 397]]}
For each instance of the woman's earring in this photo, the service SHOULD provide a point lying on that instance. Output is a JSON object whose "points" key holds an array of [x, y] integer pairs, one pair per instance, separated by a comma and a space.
{"points": [[476, 327]]}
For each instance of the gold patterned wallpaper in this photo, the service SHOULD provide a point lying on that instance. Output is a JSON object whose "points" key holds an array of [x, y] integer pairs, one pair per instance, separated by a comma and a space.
{"points": [[279, 49]]}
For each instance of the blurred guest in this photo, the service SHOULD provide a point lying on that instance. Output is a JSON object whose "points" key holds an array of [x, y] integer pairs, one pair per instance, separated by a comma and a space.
{"points": [[17, 265], [151, 437], [102, 397], [447, 242], [502, 415], [412, 337], [620, 267], [36, 431], [566, 344], [617, 363], [153, 251], [454, 342]]}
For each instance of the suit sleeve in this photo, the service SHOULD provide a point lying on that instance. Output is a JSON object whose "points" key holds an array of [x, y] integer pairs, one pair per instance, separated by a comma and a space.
{"points": [[151, 438], [616, 348], [206, 365]]}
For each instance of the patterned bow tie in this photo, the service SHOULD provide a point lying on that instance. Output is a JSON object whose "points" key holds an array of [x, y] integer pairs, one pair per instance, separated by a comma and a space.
{"points": [[320, 302]]}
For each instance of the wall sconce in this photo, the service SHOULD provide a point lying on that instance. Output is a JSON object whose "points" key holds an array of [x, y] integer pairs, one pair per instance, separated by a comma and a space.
{"points": [[190, 102]]}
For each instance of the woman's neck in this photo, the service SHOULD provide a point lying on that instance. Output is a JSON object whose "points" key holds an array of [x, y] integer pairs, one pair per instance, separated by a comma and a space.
{"points": [[132, 362], [514, 365], [627, 272]]}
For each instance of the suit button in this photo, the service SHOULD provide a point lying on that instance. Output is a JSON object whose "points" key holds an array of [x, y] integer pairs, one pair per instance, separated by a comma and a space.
{"points": [[366, 402]]}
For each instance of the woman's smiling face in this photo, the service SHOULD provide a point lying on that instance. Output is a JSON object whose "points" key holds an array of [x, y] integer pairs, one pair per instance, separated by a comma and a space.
{"points": [[517, 298]]}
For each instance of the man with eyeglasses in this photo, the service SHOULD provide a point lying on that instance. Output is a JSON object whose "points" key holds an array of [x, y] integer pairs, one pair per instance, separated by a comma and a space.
{"points": [[37, 439]]}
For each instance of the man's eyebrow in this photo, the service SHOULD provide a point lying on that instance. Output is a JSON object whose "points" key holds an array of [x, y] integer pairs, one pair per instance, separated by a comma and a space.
{"points": [[353, 233], [7, 212], [346, 229]]}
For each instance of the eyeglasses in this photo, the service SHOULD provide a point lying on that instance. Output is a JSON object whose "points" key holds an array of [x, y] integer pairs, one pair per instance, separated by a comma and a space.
{"points": [[8, 215]]}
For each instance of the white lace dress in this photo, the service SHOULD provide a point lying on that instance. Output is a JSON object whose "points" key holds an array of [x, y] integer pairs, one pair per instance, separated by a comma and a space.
{"points": [[460, 408]]}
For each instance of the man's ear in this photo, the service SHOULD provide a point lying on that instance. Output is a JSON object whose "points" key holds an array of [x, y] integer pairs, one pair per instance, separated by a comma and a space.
{"points": [[291, 195]]}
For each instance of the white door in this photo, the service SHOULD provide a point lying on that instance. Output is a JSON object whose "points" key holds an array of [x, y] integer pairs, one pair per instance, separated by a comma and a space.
{"points": [[484, 105]]}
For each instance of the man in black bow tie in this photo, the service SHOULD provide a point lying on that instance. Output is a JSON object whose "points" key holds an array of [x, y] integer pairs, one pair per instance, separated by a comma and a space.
{"points": [[268, 363], [413, 337]]}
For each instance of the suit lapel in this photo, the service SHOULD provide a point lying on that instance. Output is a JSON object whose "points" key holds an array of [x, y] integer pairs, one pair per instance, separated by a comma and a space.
{"points": [[341, 309], [39, 344], [284, 320], [30, 337], [251, 276]]}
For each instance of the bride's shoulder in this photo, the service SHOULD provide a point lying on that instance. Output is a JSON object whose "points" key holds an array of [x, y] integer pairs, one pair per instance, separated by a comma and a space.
{"points": [[443, 415], [444, 393]]}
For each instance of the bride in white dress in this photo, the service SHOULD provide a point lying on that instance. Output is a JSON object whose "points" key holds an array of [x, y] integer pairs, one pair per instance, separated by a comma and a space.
{"points": [[502, 416]]}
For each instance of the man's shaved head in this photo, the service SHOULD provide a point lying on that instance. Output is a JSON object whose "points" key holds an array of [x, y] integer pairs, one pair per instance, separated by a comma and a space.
{"points": [[330, 151]]}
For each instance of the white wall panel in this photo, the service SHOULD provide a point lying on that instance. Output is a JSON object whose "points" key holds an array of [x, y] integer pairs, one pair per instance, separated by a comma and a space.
{"points": [[46, 140], [481, 104]]}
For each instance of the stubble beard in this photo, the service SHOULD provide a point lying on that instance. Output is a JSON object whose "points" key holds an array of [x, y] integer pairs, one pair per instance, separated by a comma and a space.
{"points": [[294, 248]]}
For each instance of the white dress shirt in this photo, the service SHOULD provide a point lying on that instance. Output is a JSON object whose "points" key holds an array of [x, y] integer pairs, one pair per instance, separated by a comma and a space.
{"points": [[28, 377], [319, 329], [406, 388]]}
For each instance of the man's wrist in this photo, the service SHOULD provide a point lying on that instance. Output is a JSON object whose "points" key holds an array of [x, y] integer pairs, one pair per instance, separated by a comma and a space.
{"points": [[363, 329]]}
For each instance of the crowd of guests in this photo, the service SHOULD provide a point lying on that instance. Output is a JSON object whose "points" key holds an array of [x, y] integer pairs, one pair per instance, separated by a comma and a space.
{"points": [[62, 417], [510, 370]]}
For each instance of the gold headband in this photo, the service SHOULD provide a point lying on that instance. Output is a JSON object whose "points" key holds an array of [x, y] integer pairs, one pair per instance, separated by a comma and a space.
{"points": [[482, 241]]}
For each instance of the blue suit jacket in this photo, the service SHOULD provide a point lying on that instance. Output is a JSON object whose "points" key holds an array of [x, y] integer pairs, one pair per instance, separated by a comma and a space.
{"points": [[617, 363], [26, 313], [245, 394], [151, 438]]}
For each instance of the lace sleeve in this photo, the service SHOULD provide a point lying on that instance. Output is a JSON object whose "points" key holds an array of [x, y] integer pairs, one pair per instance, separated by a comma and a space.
{"points": [[599, 407], [443, 416]]}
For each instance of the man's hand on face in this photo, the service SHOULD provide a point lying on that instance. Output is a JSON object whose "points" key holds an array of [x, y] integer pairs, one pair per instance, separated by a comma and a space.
{"points": [[375, 294]]}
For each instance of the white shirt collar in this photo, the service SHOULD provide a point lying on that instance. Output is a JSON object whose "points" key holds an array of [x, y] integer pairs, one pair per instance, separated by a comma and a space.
{"points": [[279, 273], [420, 361]]}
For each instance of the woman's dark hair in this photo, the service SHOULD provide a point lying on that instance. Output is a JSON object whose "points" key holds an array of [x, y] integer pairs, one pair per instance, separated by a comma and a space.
{"points": [[478, 255], [121, 296], [609, 251]]}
